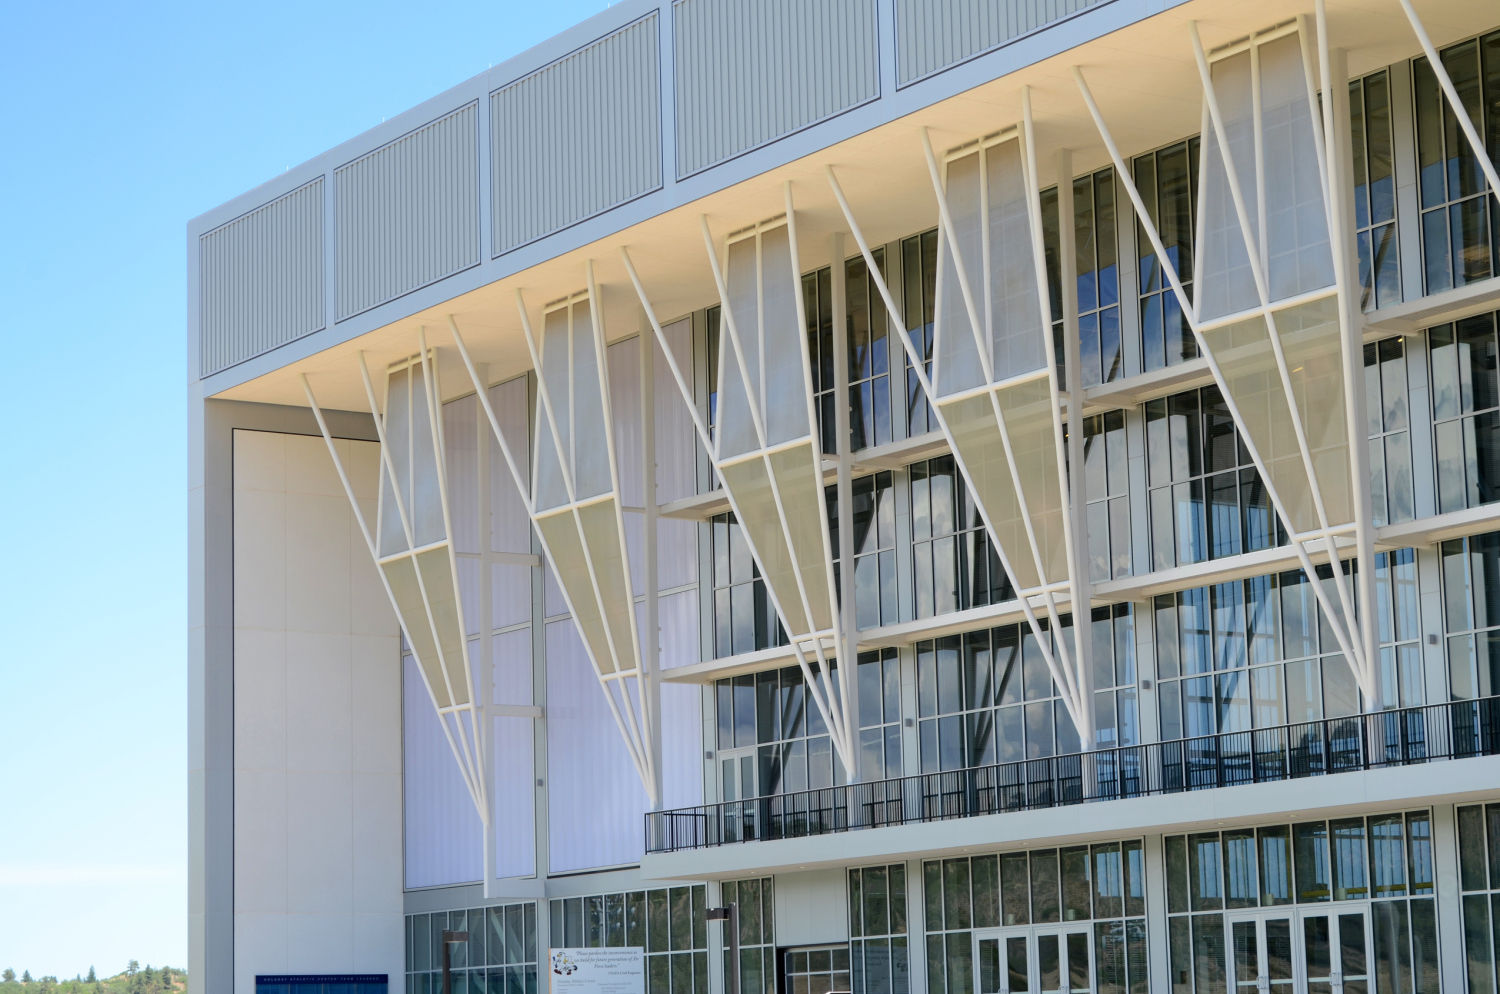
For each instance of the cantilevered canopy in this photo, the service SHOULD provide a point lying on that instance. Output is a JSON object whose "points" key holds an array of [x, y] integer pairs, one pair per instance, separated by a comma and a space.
{"points": [[574, 505], [765, 450], [1273, 315], [994, 385]]}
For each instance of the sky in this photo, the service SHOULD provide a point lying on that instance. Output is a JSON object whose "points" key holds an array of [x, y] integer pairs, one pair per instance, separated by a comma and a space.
{"points": [[121, 122]]}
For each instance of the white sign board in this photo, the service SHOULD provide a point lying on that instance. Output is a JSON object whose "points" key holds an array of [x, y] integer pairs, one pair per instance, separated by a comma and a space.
{"points": [[597, 971]]}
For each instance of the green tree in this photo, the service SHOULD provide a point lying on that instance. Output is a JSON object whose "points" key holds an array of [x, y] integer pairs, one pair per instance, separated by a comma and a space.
{"points": [[91, 978], [25, 976], [9, 976]]}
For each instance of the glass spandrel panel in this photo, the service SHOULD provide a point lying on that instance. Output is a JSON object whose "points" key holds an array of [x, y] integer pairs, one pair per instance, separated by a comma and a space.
{"points": [[1296, 238], [401, 574], [1017, 344], [549, 489], [1224, 280], [739, 369], [784, 342], [958, 363], [436, 569]]}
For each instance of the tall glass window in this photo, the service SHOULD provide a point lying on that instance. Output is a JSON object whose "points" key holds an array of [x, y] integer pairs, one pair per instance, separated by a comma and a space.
{"points": [[1207, 498], [1374, 190], [1479, 881], [877, 929], [988, 697], [870, 413], [954, 566], [1168, 183], [919, 293], [1258, 653], [1103, 885], [1098, 278], [1385, 860], [500, 953], [874, 521], [1466, 411], [817, 301], [744, 618], [1388, 425], [817, 969], [879, 678], [1471, 604], [666, 922], [772, 738], [1460, 229], [755, 900], [1106, 468]]}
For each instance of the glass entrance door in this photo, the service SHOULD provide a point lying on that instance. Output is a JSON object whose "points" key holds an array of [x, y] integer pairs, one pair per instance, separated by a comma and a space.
{"points": [[1041, 960], [1291, 952], [1336, 952]]}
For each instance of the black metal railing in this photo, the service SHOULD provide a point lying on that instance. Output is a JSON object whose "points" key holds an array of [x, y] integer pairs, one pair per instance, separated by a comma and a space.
{"points": [[1457, 730]]}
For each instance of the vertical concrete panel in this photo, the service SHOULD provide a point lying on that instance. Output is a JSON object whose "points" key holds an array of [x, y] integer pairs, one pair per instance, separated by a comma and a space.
{"points": [[407, 214], [260, 279], [747, 74], [932, 35], [577, 137]]}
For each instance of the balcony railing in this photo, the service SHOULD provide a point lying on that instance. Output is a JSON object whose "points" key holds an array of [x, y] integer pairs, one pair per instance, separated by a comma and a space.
{"points": [[1456, 730]]}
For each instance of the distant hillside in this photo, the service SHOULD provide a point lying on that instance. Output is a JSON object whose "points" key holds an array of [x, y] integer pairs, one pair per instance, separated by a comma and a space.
{"points": [[134, 980]]}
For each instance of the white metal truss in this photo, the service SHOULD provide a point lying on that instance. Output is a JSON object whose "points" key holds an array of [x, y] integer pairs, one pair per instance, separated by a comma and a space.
{"points": [[412, 547], [573, 501], [994, 388], [766, 453], [1273, 314], [1455, 104]]}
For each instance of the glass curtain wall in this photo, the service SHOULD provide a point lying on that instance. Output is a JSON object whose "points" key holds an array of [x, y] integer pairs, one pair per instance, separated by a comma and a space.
{"points": [[500, 955], [874, 519], [1465, 363], [755, 901], [1460, 225], [1374, 190], [1167, 180], [1388, 425], [919, 296], [1101, 887], [954, 566], [1106, 469], [666, 922], [1479, 881], [1471, 604], [1374, 875], [1206, 496], [878, 955]]}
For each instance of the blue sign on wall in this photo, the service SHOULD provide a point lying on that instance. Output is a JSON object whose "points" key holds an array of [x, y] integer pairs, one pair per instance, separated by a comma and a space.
{"points": [[322, 983]]}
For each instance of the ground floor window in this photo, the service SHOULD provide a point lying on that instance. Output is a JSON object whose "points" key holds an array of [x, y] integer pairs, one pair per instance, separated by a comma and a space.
{"points": [[667, 923], [1479, 880], [817, 969], [1065, 919], [499, 955], [755, 901], [1306, 906], [878, 951]]}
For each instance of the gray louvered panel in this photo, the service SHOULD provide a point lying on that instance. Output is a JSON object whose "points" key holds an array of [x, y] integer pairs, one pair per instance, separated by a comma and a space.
{"points": [[261, 279], [407, 214], [577, 137], [935, 34], [749, 73]]}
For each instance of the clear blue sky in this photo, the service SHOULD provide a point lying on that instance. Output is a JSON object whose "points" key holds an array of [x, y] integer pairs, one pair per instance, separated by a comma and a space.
{"points": [[122, 121]]}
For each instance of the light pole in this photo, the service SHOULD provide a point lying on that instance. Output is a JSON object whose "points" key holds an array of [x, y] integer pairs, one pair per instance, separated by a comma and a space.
{"points": [[730, 916], [449, 938]]}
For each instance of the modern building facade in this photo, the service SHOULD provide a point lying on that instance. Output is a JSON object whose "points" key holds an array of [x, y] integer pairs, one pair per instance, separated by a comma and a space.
{"points": [[1007, 495]]}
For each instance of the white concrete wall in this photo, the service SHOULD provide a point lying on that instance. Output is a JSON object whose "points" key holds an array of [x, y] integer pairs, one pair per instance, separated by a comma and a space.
{"points": [[317, 711]]}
